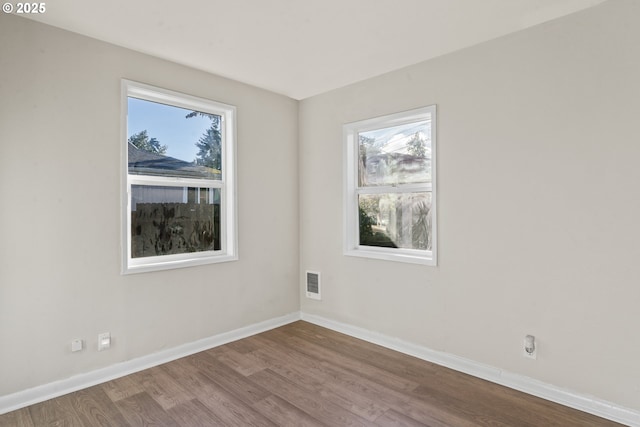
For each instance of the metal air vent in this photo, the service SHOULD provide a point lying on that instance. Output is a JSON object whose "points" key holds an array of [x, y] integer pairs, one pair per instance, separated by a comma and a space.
{"points": [[313, 285]]}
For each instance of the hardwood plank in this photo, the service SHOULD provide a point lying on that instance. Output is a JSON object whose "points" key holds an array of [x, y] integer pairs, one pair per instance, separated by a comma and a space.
{"points": [[392, 418], [94, 408], [233, 382], [283, 414], [323, 382], [231, 410], [121, 388], [164, 389], [55, 412], [307, 401], [242, 346], [194, 413], [402, 365], [432, 414], [279, 360], [239, 362], [355, 389], [467, 401], [499, 403], [18, 418], [373, 373], [187, 374], [465, 404], [141, 410]]}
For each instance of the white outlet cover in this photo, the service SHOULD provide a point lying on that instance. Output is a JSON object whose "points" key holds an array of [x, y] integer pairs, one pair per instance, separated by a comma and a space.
{"points": [[104, 341], [76, 345], [533, 355]]}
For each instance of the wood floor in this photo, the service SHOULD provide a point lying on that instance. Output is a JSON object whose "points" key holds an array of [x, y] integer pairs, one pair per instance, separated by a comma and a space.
{"points": [[299, 375]]}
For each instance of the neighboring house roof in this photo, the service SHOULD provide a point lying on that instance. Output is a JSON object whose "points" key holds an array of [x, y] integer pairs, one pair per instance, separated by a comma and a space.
{"points": [[387, 168], [146, 163]]}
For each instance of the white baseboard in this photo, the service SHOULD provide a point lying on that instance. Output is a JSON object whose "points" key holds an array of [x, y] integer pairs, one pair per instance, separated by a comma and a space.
{"points": [[48, 391], [528, 385], [522, 383]]}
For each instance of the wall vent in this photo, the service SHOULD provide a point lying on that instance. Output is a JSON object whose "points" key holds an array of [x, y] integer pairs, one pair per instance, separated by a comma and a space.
{"points": [[313, 285]]}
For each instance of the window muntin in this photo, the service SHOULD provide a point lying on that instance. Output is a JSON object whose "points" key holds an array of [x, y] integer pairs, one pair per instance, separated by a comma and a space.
{"points": [[390, 188], [179, 186]]}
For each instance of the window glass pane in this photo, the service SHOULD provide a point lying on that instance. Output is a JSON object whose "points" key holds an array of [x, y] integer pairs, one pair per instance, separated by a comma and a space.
{"points": [[395, 155], [165, 140], [395, 220], [174, 220]]}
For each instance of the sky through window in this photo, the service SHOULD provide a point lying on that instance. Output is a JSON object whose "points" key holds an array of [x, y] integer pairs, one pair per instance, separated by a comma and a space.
{"points": [[168, 125]]}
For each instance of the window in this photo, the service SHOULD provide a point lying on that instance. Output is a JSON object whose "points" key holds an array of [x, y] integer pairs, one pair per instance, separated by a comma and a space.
{"points": [[390, 189], [179, 173]]}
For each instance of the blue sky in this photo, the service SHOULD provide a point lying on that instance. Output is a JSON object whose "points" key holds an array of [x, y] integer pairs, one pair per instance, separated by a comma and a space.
{"points": [[168, 125]]}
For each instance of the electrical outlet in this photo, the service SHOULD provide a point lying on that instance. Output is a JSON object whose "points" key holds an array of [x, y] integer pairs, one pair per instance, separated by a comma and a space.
{"points": [[77, 345], [530, 347], [104, 341]]}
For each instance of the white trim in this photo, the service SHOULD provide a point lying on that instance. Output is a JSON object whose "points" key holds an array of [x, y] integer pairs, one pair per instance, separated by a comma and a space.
{"points": [[522, 383], [402, 255], [174, 181], [169, 97], [352, 189], [601, 408], [394, 119], [21, 399], [401, 188], [227, 183]]}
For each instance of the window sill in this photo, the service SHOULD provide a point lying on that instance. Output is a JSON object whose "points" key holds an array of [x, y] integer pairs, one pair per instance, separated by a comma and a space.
{"points": [[182, 263], [411, 257]]}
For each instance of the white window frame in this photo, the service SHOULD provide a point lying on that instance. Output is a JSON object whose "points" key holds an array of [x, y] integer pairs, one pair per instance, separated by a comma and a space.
{"points": [[352, 190], [226, 185]]}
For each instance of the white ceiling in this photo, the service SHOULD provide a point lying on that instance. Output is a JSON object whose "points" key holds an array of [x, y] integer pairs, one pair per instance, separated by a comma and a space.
{"points": [[301, 48]]}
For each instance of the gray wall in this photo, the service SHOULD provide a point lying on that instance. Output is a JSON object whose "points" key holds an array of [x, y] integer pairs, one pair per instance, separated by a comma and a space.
{"points": [[60, 217], [538, 209]]}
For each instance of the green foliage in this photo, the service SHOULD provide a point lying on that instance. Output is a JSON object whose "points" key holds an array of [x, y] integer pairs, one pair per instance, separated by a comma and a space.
{"points": [[210, 149], [417, 146], [142, 141], [210, 143], [421, 227], [370, 204], [366, 222], [367, 147], [367, 236]]}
